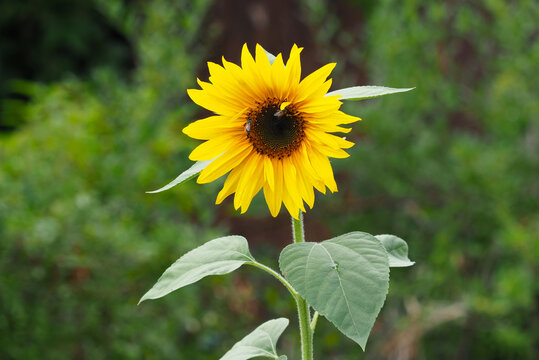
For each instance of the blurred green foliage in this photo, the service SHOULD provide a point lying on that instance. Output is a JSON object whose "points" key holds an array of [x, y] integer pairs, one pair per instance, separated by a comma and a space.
{"points": [[451, 167], [45, 40], [81, 241]]}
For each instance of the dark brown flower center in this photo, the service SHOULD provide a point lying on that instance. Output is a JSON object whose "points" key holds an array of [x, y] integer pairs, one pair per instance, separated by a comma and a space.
{"points": [[274, 132]]}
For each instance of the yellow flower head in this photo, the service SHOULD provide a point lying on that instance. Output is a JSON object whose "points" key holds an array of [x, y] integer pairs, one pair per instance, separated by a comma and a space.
{"points": [[271, 130]]}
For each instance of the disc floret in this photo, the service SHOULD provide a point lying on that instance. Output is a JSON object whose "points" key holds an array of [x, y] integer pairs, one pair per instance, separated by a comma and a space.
{"points": [[272, 131]]}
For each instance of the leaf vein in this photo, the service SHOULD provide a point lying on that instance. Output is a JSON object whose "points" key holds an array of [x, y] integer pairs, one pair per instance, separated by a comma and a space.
{"points": [[344, 294]]}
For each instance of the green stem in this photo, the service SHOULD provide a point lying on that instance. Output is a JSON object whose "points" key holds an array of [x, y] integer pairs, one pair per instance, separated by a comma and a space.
{"points": [[297, 229], [304, 312], [276, 275], [315, 319]]}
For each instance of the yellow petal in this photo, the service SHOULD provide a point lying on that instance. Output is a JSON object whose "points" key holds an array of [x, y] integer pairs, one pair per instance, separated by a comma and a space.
{"points": [[291, 206], [304, 186], [224, 95], [342, 118], [252, 189], [228, 81], [293, 69], [224, 163], [278, 77], [216, 70], [230, 184], [269, 175], [291, 186], [321, 163], [334, 153], [306, 166], [273, 206], [308, 169], [318, 92], [214, 126], [202, 98], [251, 176], [244, 80], [251, 73], [247, 60], [328, 140], [313, 81], [274, 197], [328, 127], [322, 105], [263, 64], [212, 148]]}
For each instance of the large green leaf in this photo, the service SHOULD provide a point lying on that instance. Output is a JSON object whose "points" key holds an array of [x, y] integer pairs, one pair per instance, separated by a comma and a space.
{"points": [[261, 342], [365, 92], [216, 257], [345, 279], [397, 250], [186, 175]]}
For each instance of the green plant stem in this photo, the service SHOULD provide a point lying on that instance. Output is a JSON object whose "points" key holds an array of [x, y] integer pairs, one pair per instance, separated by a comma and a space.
{"points": [[297, 229], [313, 322], [276, 275], [304, 312]]}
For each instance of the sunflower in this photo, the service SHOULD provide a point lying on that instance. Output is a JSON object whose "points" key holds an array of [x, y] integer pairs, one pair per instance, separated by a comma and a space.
{"points": [[271, 130]]}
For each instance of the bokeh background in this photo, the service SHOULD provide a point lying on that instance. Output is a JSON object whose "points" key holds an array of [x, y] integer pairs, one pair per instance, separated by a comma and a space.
{"points": [[93, 100]]}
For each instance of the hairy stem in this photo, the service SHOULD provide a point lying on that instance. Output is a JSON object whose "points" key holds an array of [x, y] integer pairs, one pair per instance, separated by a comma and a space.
{"points": [[276, 275], [313, 322], [304, 312], [297, 229]]}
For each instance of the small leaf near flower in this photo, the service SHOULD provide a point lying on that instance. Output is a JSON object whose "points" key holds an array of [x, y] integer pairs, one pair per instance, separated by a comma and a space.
{"points": [[270, 56], [365, 92], [397, 250], [186, 175]]}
